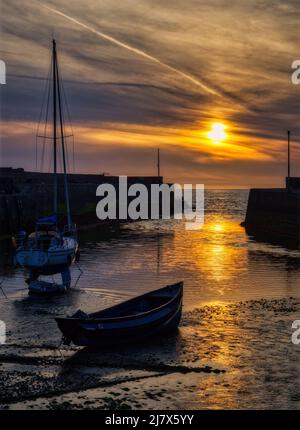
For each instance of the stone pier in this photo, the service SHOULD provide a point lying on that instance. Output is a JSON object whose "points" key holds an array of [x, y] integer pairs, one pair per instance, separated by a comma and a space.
{"points": [[273, 215], [24, 196]]}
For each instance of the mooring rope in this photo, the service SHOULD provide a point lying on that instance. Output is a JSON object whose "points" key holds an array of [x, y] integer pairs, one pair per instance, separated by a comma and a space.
{"points": [[1, 288], [59, 350], [80, 274]]}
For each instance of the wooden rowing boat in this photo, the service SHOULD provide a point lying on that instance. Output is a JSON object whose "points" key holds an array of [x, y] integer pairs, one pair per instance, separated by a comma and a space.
{"points": [[152, 313]]}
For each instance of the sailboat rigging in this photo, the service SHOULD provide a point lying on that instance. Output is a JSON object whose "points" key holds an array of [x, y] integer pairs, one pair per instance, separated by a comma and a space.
{"points": [[51, 249]]}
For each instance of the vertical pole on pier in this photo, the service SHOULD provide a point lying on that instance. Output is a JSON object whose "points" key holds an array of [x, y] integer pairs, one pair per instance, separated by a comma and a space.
{"points": [[158, 163], [289, 153]]}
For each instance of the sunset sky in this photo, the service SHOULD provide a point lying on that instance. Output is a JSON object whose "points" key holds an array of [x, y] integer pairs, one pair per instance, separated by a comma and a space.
{"points": [[207, 81]]}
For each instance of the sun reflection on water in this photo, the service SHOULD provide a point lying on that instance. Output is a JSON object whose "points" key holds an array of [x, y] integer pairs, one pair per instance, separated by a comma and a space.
{"points": [[213, 250]]}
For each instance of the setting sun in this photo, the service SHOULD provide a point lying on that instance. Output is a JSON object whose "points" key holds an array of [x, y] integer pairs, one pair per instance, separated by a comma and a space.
{"points": [[217, 132]]}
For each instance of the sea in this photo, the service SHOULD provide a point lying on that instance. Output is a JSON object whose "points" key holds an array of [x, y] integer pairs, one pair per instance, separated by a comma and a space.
{"points": [[218, 263]]}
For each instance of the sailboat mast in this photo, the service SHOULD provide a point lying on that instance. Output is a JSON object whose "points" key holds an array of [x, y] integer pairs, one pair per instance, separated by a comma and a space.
{"points": [[54, 127], [63, 151]]}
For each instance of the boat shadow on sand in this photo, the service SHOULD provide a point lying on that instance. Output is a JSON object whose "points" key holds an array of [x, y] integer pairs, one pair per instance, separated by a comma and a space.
{"points": [[156, 354]]}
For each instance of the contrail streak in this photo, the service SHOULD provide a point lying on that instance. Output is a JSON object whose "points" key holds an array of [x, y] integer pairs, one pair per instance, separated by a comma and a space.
{"points": [[136, 51]]}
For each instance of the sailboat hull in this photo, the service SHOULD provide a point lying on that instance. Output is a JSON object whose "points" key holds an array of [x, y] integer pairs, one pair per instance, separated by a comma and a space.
{"points": [[49, 261]]}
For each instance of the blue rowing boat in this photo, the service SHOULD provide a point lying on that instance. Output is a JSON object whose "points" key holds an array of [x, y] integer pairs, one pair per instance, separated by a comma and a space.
{"points": [[151, 314]]}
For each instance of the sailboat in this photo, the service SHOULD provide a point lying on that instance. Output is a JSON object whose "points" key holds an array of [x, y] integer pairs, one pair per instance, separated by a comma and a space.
{"points": [[53, 246]]}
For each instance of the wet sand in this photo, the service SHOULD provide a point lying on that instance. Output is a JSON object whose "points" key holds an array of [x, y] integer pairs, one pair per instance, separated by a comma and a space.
{"points": [[235, 356]]}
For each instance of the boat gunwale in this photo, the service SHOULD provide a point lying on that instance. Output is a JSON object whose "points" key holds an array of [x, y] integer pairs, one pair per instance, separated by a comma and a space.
{"points": [[135, 316]]}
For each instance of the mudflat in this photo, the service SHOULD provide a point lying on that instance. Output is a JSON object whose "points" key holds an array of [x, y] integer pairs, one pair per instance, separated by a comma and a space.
{"points": [[237, 355]]}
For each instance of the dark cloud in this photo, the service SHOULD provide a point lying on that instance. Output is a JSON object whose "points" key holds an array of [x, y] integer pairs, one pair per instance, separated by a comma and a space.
{"points": [[241, 50]]}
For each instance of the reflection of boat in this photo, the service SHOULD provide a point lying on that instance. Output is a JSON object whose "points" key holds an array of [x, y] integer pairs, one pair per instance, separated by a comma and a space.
{"points": [[134, 320], [46, 288], [51, 248]]}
